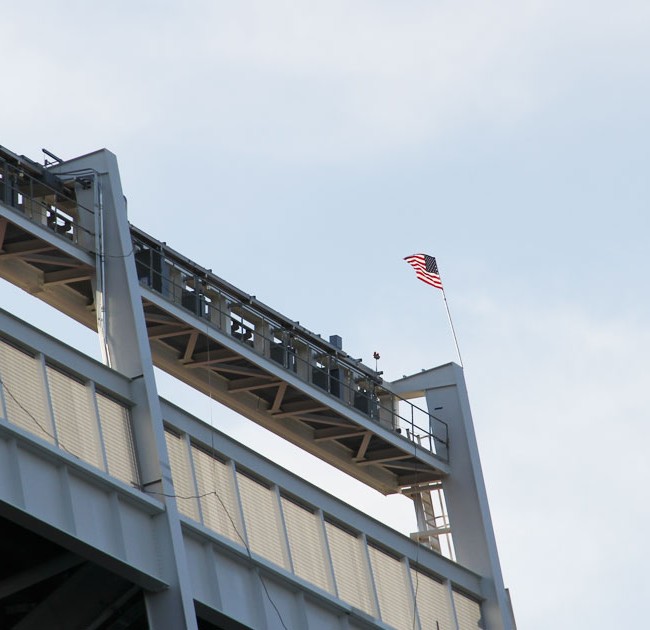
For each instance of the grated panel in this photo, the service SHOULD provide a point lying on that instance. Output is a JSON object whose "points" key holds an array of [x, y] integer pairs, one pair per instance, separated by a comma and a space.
{"points": [[350, 568], [261, 518], [23, 392], [304, 530], [433, 602], [218, 505], [182, 476], [115, 421], [393, 592], [468, 612]]}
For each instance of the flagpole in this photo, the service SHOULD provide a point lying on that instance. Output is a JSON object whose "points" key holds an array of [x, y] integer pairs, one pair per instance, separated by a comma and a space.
{"points": [[451, 325], [426, 269]]}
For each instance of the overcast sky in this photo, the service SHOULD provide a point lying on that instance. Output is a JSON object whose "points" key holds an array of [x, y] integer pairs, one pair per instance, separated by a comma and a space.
{"points": [[302, 149]]}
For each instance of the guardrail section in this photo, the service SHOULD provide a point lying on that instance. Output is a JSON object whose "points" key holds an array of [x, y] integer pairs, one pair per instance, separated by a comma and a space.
{"points": [[289, 345], [67, 411], [46, 201], [267, 521]]}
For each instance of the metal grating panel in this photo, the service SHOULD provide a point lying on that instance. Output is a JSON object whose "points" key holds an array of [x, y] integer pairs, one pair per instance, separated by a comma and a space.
{"points": [[304, 530], [115, 421], [218, 505], [184, 489], [74, 418], [22, 389], [350, 568], [260, 508], [393, 591], [468, 612], [433, 602]]}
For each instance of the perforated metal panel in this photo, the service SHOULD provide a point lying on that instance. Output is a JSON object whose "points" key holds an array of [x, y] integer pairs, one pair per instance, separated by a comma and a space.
{"points": [[23, 392], [261, 517], [468, 612], [432, 598], [74, 417], [304, 530], [396, 604], [115, 421], [350, 568], [218, 505], [184, 489]]}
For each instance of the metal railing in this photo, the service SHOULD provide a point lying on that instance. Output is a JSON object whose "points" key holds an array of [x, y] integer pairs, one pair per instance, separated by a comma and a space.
{"points": [[47, 204], [305, 355]]}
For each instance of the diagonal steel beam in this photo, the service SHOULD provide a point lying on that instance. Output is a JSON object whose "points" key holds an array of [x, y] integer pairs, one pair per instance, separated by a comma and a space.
{"points": [[31, 246], [249, 384], [215, 356], [50, 260], [299, 408], [336, 433], [279, 397], [364, 445], [238, 369], [191, 345], [65, 276], [167, 330], [384, 455]]}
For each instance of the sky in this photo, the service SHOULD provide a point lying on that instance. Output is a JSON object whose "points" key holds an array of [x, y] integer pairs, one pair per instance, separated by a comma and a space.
{"points": [[302, 149]]}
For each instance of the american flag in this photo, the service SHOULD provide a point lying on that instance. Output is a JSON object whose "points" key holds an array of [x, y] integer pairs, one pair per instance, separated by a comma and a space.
{"points": [[426, 269]]}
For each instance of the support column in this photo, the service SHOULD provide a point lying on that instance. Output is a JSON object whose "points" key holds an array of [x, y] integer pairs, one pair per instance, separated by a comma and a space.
{"points": [[464, 487], [126, 347]]}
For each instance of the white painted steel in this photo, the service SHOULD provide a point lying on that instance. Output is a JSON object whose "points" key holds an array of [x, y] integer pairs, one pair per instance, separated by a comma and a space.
{"points": [[74, 417], [306, 543], [432, 602], [217, 495], [23, 394], [184, 489], [393, 591], [117, 433], [71, 422], [468, 612], [262, 522], [352, 578], [200, 479]]}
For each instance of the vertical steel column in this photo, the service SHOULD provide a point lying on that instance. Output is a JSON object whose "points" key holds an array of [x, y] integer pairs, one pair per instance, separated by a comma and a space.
{"points": [[128, 351]]}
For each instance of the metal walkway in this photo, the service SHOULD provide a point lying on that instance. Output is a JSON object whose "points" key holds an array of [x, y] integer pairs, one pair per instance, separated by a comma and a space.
{"points": [[217, 338]]}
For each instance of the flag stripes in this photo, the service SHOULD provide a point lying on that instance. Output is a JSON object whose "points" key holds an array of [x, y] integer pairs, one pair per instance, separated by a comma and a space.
{"points": [[426, 269]]}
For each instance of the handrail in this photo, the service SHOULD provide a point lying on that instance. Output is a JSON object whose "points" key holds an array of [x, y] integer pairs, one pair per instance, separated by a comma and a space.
{"points": [[249, 321], [46, 205], [288, 344]]}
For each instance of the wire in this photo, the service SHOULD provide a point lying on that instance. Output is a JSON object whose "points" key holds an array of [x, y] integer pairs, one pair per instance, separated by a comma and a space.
{"points": [[127, 255], [216, 494], [416, 612], [54, 438]]}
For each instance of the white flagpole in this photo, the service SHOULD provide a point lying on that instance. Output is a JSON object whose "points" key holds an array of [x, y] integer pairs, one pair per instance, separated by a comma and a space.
{"points": [[451, 325]]}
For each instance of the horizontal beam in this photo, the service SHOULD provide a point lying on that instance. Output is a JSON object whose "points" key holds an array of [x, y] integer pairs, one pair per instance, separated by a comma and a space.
{"points": [[31, 246], [299, 408], [167, 330], [254, 382], [65, 276], [201, 359], [335, 433], [384, 455]]}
